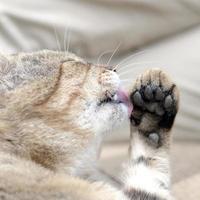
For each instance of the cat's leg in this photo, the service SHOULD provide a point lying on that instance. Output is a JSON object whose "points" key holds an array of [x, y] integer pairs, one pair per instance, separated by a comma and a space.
{"points": [[155, 99]]}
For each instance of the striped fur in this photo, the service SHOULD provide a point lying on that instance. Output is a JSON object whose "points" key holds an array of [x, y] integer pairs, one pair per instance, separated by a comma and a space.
{"points": [[55, 109]]}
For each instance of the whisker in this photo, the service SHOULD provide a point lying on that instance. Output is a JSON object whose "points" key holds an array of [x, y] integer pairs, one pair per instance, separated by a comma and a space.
{"points": [[128, 70], [57, 40], [138, 63], [66, 33], [102, 54], [68, 39], [113, 53], [129, 57]]}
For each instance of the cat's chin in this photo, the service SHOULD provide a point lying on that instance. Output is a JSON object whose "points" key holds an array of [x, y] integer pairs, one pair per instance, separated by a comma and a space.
{"points": [[119, 99], [123, 113], [110, 116]]}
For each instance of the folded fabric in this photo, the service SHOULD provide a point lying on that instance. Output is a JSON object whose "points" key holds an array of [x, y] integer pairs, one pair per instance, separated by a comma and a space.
{"points": [[89, 27]]}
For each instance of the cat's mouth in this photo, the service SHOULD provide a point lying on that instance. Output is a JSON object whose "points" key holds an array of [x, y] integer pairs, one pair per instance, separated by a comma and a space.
{"points": [[120, 97]]}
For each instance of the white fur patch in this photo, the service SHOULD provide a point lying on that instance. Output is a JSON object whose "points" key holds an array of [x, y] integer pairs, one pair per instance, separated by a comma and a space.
{"points": [[151, 178], [147, 179]]}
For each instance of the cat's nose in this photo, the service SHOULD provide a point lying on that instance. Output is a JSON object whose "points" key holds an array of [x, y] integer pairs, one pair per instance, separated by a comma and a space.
{"points": [[111, 68], [114, 68]]}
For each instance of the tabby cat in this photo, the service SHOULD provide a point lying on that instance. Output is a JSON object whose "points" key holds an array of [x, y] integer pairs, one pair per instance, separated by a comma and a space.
{"points": [[55, 109]]}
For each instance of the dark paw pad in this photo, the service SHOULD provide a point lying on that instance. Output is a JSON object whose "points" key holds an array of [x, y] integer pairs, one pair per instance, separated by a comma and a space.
{"points": [[157, 101]]}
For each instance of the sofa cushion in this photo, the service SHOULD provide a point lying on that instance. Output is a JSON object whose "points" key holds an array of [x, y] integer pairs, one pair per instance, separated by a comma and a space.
{"points": [[95, 26]]}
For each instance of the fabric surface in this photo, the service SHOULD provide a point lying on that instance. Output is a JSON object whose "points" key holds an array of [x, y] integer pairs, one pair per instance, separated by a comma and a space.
{"points": [[92, 26], [188, 188]]}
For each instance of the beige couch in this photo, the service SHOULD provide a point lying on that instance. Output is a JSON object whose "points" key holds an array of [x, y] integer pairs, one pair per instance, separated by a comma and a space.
{"points": [[167, 33]]}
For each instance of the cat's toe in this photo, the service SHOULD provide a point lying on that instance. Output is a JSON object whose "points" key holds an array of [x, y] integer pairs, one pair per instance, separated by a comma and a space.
{"points": [[154, 97]]}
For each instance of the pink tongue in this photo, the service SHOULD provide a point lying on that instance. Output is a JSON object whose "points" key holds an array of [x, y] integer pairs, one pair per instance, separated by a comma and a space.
{"points": [[123, 97]]}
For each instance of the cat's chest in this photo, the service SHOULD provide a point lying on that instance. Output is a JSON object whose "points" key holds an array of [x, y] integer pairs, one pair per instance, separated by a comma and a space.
{"points": [[86, 162]]}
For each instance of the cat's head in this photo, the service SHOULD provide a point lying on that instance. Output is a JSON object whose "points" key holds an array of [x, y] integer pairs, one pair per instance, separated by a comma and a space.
{"points": [[87, 97], [65, 92]]}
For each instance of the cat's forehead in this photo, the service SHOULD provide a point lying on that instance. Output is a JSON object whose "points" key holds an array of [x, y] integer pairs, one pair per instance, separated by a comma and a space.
{"points": [[42, 56], [17, 69]]}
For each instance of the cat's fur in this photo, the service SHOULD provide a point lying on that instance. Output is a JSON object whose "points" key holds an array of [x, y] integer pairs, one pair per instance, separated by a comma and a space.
{"points": [[54, 112]]}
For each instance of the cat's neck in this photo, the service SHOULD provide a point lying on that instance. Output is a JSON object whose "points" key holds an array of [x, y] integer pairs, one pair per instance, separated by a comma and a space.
{"points": [[52, 148]]}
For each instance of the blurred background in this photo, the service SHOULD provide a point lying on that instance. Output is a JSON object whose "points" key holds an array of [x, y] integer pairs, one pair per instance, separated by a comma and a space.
{"points": [[133, 35]]}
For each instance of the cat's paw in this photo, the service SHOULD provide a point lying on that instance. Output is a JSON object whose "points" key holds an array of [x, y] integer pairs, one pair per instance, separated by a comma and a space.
{"points": [[155, 99]]}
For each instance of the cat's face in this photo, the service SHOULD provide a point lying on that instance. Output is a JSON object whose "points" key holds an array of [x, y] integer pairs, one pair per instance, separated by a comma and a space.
{"points": [[89, 97], [55, 104], [64, 92]]}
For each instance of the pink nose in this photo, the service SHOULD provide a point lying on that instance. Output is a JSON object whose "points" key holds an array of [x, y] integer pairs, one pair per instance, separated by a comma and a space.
{"points": [[123, 97]]}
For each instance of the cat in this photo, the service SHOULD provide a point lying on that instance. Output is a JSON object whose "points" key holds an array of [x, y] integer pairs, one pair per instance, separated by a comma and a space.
{"points": [[55, 110]]}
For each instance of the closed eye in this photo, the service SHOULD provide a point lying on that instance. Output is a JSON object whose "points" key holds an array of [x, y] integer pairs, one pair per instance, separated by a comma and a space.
{"points": [[106, 100], [110, 99]]}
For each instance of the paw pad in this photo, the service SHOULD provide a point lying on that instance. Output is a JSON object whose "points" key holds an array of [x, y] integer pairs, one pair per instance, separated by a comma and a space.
{"points": [[157, 99]]}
